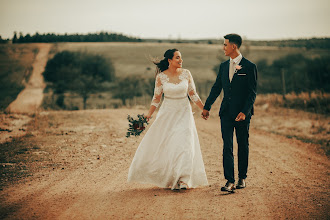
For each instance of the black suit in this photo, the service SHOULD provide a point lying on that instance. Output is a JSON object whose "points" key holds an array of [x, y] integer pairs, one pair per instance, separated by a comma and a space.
{"points": [[239, 96]]}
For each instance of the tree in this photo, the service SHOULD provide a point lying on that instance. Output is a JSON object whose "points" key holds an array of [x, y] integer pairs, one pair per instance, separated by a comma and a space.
{"points": [[78, 72], [129, 87], [15, 37], [318, 71], [3, 41], [21, 38]]}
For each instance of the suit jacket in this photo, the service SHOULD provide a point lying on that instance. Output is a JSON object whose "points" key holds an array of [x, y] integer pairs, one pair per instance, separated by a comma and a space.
{"points": [[239, 94]]}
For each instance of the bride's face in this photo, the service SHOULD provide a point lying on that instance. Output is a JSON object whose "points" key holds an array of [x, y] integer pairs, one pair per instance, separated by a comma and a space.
{"points": [[177, 60]]}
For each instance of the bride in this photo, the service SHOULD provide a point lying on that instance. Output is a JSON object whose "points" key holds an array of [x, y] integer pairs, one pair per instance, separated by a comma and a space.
{"points": [[169, 155]]}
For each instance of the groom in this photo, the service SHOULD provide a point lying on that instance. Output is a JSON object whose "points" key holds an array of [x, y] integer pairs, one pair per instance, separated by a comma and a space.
{"points": [[238, 79]]}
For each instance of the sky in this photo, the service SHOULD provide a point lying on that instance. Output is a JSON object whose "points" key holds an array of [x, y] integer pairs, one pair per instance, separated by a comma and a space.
{"points": [[169, 19]]}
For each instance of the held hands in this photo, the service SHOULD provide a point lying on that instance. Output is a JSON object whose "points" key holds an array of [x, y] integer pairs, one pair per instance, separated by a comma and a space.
{"points": [[205, 114], [240, 117]]}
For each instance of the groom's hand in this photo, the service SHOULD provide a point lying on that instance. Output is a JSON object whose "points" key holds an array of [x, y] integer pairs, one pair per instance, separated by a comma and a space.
{"points": [[205, 114], [240, 117]]}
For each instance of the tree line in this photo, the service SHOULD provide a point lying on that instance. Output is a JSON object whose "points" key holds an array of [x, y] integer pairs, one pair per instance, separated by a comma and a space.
{"points": [[313, 43], [3, 41], [91, 37]]}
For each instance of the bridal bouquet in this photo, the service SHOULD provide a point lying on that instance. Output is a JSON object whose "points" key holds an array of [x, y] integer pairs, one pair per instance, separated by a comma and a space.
{"points": [[136, 126]]}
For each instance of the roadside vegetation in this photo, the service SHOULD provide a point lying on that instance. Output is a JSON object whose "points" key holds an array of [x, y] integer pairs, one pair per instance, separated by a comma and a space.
{"points": [[15, 69]]}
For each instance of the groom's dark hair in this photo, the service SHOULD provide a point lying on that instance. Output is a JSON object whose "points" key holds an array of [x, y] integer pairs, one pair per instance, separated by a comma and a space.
{"points": [[234, 39]]}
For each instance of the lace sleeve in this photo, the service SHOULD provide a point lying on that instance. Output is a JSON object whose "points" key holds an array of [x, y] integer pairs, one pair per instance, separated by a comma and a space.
{"points": [[192, 89], [158, 91]]}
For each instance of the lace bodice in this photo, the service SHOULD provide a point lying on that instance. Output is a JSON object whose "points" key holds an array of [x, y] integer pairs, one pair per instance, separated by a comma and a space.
{"points": [[171, 89]]}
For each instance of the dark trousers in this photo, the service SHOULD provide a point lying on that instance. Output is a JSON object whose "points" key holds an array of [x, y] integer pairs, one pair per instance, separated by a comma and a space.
{"points": [[242, 135]]}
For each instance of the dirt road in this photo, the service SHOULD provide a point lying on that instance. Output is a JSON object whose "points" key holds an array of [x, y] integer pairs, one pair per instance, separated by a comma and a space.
{"points": [[81, 161], [27, 101], [31, 97]]}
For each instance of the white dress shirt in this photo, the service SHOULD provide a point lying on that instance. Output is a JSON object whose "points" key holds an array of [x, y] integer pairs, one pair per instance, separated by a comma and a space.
{"points": [[232, 66]]}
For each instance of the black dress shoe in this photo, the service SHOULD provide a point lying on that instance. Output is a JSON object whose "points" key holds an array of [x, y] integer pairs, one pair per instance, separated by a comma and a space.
{"points": [[229, 187], [241, 184]]}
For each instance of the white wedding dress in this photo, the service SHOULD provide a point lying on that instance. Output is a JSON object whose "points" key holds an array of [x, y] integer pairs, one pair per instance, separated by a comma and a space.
{"points": [[170, 150]]}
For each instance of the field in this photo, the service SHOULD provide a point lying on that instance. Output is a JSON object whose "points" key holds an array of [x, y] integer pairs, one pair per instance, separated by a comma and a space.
{"points": [[132, 58]]}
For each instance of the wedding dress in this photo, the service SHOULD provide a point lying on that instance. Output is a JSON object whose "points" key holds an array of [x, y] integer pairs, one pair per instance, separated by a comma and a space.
{"points": [[170, 150]]}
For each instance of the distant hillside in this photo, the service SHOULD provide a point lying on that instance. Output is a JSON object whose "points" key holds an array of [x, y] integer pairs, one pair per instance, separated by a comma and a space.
{"points": [[321, 43], [314, 43]]}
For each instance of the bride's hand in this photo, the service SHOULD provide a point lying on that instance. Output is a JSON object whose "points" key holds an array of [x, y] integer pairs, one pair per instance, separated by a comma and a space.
{"points": [[148, 117]]}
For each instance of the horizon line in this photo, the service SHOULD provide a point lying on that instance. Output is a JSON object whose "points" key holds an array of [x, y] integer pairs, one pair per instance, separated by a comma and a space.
{"points": [[170, 38]]}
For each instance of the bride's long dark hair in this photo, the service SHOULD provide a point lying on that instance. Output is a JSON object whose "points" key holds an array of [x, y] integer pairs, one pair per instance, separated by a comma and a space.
{"points": [[163, 64]]}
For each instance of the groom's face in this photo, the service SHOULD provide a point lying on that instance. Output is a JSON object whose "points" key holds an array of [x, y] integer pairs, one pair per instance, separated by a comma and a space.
{"points": [[228, 47]]}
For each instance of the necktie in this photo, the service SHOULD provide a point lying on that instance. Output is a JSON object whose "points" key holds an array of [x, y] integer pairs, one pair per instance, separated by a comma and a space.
{"points": [[231, 70]]}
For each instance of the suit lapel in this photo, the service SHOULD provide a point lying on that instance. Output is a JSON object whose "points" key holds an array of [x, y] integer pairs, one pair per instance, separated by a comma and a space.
{"points": [[226, 71], [241, 63]]}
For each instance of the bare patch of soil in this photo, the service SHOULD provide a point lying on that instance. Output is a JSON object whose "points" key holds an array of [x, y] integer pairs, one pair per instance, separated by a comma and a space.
{"points": [[78, 163]]}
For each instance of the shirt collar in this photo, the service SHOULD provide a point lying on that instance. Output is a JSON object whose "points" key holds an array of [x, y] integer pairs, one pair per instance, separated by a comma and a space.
{"points": [[237, 59]]}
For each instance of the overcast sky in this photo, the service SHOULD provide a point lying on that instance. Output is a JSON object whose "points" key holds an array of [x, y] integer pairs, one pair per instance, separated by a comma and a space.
{"points": [[185, 19]]}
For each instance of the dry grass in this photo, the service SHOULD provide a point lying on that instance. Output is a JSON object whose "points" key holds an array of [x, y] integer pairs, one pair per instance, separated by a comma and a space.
{"points": [[15, 69], [200, 59], [315, 101], [296, 117]]}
